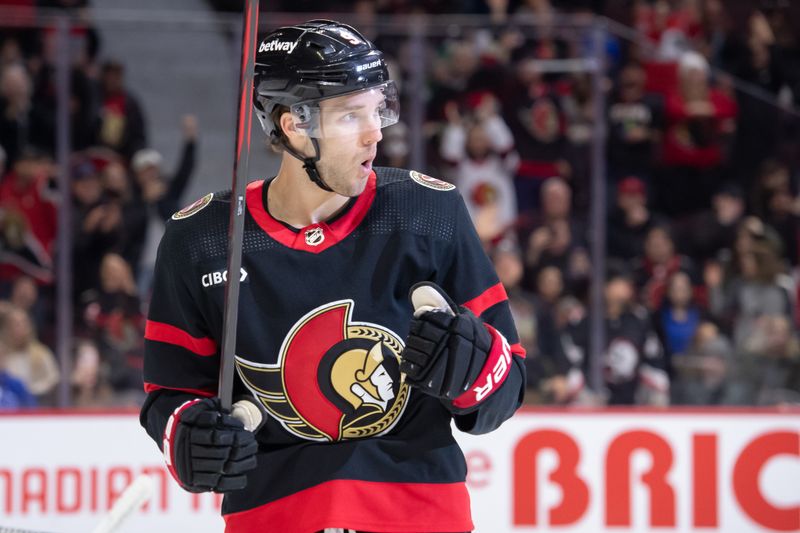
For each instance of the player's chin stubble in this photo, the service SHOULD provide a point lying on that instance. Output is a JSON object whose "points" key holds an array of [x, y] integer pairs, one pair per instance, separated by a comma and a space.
{"points": [[343, 182]]}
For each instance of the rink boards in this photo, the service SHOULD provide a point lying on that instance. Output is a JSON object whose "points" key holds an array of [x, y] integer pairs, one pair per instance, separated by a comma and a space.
{"points": [[544, 470]]}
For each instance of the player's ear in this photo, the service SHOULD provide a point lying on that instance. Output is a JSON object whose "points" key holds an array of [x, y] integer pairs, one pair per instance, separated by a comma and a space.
{"points": [[293, 136], [286, 123]]}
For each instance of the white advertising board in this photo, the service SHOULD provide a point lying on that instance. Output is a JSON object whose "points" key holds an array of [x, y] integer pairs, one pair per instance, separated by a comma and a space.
{"points": [[61, 474], [732, 471]]}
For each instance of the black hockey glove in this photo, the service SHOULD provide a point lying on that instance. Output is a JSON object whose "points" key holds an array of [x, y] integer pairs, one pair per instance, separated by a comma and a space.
{"points": [[447, 347], [206, 449]]}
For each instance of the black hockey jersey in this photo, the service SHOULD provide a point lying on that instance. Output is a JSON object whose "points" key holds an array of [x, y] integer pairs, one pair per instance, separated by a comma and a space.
{"points": [[323, 314]]}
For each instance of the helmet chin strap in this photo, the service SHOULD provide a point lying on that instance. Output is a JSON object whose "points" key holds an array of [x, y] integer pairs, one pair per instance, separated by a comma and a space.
{"points": [[309, 163]]}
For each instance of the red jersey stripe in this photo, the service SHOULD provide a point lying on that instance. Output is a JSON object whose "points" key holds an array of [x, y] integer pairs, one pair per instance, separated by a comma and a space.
{"points": [[151, 387], [362, 505], [493, 295], [517, 349], [161, 332]]}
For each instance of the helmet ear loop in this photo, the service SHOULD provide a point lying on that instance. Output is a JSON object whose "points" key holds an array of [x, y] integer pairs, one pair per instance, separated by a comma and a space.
{"points": [[309, 163]]}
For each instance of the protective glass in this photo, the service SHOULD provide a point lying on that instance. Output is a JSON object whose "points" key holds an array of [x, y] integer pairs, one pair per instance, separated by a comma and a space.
{"points": [[349, 114]]}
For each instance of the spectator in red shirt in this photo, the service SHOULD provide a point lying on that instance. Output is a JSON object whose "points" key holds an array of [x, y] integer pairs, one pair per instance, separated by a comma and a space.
{"points": [[26, 189], [670, 25], [28, 219], [699, 121]]}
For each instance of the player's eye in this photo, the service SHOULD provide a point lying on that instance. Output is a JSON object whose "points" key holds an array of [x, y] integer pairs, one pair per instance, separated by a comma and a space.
{"points": [[349, 117]]}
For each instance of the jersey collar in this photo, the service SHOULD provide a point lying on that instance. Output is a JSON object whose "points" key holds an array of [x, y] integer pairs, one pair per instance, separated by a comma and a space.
{"points": [[316, 237]]}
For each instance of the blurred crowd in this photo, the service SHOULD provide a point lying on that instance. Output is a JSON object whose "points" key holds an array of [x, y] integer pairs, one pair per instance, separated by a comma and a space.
{"points": [[703, 140], [119, 197], [702, 189]]}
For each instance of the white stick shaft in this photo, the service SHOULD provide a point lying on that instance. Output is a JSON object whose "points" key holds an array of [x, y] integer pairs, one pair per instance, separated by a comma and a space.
{"points": [[131, 499]]}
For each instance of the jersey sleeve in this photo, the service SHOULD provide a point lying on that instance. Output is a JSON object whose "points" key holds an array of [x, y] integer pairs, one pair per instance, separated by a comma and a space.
{"points": [[470, 279], [180, 352], [181, 358]]}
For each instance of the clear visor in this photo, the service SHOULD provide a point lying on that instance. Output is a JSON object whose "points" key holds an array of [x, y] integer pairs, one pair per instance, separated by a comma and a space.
{"points": [[350, 114]]}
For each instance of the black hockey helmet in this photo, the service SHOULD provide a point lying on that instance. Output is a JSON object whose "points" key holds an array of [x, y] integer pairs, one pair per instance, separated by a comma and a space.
{"points": [[303, 65], [297, 66]]}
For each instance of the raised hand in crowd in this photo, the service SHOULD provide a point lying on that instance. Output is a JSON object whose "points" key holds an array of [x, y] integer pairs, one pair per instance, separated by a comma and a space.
{"points": [[190, 127]]}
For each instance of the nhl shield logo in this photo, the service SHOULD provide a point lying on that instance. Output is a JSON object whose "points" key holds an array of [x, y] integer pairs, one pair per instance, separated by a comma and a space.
{"points": [[335, 379], [314, 236]]}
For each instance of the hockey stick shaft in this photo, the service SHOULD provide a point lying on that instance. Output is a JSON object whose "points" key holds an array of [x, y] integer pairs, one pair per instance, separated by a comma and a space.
{"points": [[236, 220], [131, 499]]}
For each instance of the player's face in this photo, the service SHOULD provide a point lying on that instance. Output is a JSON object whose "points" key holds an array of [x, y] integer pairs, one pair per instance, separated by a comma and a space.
{"points": [[347, 154]]}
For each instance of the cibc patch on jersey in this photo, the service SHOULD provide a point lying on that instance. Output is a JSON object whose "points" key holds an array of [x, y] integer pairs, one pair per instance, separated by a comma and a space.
{"points": [[356, 368], [429, 182], [194, 207]]}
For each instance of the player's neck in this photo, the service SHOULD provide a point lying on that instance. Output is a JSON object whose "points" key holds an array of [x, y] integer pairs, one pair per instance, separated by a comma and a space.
{"points": [[293, 199]]}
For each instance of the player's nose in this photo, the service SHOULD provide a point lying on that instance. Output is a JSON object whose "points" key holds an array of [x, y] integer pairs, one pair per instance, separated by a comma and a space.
{"points": [[371, 136]]}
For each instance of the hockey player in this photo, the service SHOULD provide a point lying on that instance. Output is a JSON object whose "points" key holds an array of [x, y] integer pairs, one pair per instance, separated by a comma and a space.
{"points": [[359, 385]]}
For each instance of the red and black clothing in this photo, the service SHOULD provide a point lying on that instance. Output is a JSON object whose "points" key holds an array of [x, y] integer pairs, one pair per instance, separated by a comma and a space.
{"points": [[307, 297]]}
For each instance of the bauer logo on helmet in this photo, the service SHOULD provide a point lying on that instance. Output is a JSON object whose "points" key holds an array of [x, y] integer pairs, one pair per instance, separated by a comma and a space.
{"points": [[361, 68]]}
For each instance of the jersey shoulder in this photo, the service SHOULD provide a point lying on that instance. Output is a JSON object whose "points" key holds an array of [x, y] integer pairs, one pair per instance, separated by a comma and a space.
{"points": [[415, 188], [408, 200], [400, 178], [200, 229]]}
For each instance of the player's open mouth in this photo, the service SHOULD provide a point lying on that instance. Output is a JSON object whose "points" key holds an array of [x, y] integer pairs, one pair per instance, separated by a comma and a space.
{"points": [[367, 165]]}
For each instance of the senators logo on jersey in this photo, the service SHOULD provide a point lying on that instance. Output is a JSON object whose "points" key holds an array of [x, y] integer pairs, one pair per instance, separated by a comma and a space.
{"points": [[334, 380], [429, 182], [194, 207]]}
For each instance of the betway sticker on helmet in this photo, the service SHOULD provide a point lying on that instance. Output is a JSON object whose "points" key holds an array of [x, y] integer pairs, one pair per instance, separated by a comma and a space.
{"points": [[277, 46], [431, 183], [190, 210]]}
